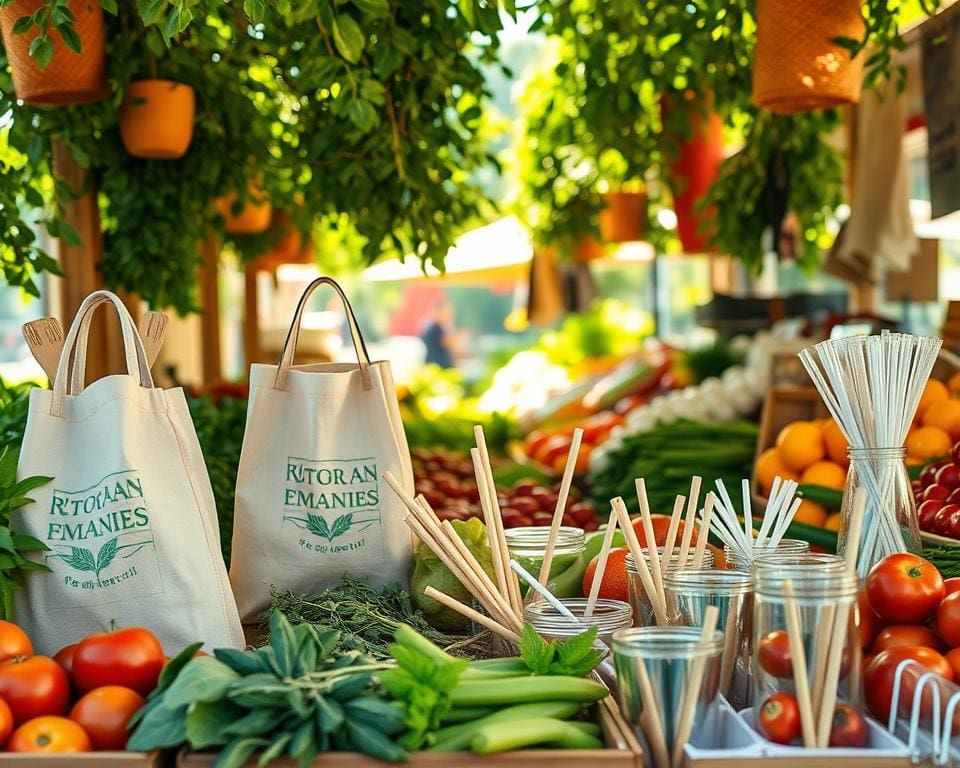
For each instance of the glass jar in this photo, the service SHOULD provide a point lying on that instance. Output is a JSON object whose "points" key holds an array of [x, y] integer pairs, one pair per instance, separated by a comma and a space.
{"points": [[784, 546], [798, 565], [890, 519], [819, 593], [528, 545], [664, 657], [642, 607], [689, 593], [608, 616]]}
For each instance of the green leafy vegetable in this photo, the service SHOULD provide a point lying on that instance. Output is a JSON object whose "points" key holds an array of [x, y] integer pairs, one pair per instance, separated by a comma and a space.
{"points": [[575, 656]]}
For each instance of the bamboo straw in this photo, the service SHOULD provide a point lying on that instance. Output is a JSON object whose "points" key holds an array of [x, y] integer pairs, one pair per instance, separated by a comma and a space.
{"points": [[513, 586], [690, 521], [651, 540], [656, 739], [671, 540], [636, 551], [470, 613], [498, 551], [704, 533], [692, 685], [561, 505], [507, 617], [822, 643], [799, 659], [601, 563]]}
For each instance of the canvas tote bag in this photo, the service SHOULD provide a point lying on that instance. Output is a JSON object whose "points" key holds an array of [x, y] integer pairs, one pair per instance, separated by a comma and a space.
{"points": [[311, 504], [129, 516]]}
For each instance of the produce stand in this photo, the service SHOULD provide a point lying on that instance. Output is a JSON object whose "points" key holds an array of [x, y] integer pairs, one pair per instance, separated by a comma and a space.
{"points": [[92, 760]]}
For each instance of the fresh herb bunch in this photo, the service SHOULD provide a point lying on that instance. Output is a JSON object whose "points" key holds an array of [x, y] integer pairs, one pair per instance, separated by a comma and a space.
{"points": [[711, 360], [14, 546], [576, 656], [298, 696], [220, 424], [366, 618]]}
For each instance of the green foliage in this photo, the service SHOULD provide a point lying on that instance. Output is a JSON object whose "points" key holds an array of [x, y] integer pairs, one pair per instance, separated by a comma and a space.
{"points": [[298, 696], [14, 546], [576, 656], [357, 118], [14, 402]]}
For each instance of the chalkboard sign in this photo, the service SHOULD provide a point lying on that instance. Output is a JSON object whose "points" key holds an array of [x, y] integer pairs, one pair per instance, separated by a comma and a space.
{"points": [[941, 97]]}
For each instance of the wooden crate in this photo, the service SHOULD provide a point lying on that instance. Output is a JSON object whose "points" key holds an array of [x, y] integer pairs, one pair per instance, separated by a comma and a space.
{"points": [[623, 751], [84, 760]]}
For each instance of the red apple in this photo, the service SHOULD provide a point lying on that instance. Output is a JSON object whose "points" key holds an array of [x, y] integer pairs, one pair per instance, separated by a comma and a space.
{"points": [[926, 512], [954, 527], [525, 504], [949, 476], [929, 475], [524, 487], [548, 500], [941, 521], [935, 491], [955, 452]]}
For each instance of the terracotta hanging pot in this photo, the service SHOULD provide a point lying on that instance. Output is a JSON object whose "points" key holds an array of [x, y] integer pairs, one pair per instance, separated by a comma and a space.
{"points": [[289, 249], [156, 119], [70, 78], [252, 219], [694, 162], [797, 65], [588, 249], [624, 217]]}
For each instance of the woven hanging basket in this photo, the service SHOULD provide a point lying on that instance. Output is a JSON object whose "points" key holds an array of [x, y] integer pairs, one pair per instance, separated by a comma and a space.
{"points": [[70, 78], [797, 65]]}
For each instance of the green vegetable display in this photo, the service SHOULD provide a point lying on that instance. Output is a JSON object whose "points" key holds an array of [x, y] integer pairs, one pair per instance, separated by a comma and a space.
{"points": [[947, 560], [669, 455], [366, 618]]}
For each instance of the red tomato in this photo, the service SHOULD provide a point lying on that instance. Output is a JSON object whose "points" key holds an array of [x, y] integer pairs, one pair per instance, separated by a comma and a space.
{"points": [[131, 657], [104, 713], [848, 728], [868, 622], [64, 657], [904, 588], [906, 636], [773, 655], [879, 674], [951, 585], [948, 620], [927, 514], [954, 658], [34, 686], [49, 734], [13, 641], [779, 718]]}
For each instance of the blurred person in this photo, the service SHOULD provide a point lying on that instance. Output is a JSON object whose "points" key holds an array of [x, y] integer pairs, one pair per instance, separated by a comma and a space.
{"points": [[442, 340]]}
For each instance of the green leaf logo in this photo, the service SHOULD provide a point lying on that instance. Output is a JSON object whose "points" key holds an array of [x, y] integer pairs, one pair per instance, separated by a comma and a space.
{"points": [[318, 526], [83, 560], [106, 554]]}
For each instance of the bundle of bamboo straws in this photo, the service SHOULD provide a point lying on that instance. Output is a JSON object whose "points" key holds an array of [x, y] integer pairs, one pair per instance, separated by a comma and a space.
{"points": [[500, 597]]}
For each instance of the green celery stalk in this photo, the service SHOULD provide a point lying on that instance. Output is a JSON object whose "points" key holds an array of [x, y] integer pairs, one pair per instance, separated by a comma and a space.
{"points": [[504, 737], [457, 737]]}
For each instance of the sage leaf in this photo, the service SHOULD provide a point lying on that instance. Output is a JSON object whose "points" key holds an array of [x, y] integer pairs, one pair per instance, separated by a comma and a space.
{"points": [[242, 662], [160, 728], [329, 715], [173, 667], [237, 752], [203, 679], [284, 643], [207, 723]]}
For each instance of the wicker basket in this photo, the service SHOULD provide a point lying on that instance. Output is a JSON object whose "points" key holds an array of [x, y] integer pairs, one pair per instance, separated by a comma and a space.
{"points": [[797, 66], [69, 78]]}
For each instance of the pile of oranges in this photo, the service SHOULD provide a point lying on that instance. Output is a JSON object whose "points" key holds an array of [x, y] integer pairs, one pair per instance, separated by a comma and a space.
{"points": [[937, 422], [813, 452]]}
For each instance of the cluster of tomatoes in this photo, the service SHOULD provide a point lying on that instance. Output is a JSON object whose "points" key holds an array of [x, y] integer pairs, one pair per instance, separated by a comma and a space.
{"points": [[937, 495], [80, 700]]}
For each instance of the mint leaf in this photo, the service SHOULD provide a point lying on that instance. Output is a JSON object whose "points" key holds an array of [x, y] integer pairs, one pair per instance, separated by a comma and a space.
{"points": [[577, 656], [536, 652]]}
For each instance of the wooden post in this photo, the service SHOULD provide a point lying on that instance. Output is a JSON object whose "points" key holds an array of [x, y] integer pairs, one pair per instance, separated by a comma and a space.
{"points": [[79, 264], [251, 317], [210, 314]]}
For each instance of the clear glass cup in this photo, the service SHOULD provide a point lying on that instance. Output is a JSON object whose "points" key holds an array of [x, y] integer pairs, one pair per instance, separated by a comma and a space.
{"points": [[784, 547], [661, 660], [689, 593], [639, 601], [890, 520], [821, 592], [608, 617]]}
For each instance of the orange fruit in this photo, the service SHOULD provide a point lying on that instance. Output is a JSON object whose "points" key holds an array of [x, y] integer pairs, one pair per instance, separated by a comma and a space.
{"points": [[661, 527], [768, 467], [836, 443], [954, 384], [933, 392], [832, 522], [811, 513], [719, 558], [800, 445], [614, 583], [927, 443], [825, 473], [945, 415]]}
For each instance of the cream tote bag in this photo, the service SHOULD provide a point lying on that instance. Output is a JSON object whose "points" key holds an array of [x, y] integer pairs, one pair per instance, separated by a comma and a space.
{"points": [[129, 516], [311, 503]]}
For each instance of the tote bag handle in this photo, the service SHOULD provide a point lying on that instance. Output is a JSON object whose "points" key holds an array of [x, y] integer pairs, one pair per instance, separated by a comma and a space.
{"points": [[293, 335], [73, 357]]}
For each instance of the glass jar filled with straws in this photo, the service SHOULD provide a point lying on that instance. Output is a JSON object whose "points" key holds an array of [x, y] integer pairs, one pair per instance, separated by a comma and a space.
{"points": [[820, 595], [528, 547], [640, 602], [607, 616], [783, 547], [872, 386]]}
